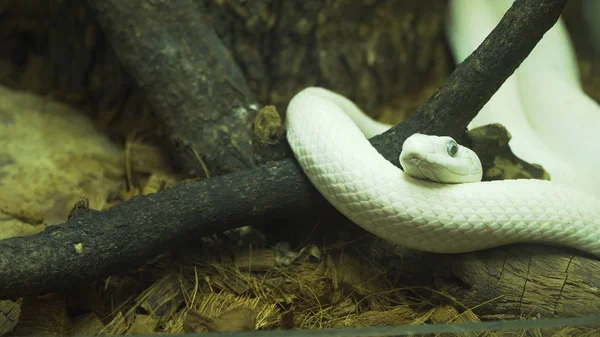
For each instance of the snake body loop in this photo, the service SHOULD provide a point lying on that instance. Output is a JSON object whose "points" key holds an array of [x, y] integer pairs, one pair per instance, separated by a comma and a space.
{"points": [[424, 215]]}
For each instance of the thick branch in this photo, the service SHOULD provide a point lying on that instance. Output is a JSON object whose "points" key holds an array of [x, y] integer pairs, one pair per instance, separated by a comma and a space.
{"points": [[519, 279], [477, 78], [513, 280], [190, 79], [92, 244], [95, 244]]}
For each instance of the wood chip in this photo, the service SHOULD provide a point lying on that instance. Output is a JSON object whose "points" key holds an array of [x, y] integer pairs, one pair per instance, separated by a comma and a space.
{"points": [[234, 320]]}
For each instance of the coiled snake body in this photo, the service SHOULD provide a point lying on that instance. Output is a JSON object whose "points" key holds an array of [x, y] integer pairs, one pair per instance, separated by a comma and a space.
{"points": [[420, 214]]}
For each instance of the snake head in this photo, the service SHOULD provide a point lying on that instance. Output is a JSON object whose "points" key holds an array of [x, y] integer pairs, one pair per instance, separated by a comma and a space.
{"points": [[440, 159]]}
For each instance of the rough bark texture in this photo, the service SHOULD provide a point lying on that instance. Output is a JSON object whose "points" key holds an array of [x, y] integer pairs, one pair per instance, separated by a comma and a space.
{"points": [[524, 279], [490, 142], [385, 55], [187, 74], [510, 281], [95, 244]]}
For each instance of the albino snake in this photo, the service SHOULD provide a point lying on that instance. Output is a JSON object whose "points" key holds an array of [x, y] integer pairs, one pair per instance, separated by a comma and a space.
{"points": [[420, 214], [328, 135]]}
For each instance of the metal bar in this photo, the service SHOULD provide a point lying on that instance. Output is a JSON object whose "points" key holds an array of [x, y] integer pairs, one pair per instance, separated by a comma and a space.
{"points": [[411, 330]]}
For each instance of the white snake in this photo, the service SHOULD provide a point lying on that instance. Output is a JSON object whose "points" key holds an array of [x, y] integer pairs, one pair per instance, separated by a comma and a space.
{"points": [[323, 132]]}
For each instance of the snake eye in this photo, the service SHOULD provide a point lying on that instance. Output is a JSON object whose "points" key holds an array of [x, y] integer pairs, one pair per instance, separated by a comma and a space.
{"points": [[452, 148]]}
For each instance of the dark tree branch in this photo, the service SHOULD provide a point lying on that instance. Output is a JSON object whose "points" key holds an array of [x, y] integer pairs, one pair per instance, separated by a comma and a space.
{"points": [[452, 107], [91, 245], [190, 79]]}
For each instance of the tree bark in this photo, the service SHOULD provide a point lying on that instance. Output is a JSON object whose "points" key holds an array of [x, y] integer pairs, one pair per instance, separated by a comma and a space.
{"points": [[385, 55], [191, 80], [508, 281], [532, 279], [95, 244], [92, 244]]}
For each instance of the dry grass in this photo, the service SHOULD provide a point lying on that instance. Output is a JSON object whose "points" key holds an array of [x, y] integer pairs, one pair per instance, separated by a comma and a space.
{"points": [[334, 291]]}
